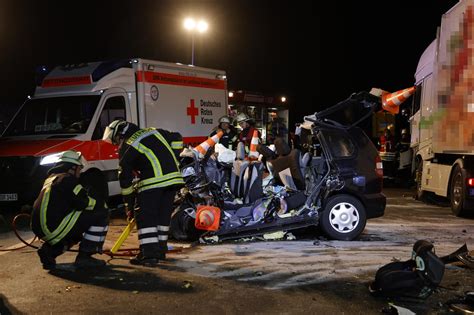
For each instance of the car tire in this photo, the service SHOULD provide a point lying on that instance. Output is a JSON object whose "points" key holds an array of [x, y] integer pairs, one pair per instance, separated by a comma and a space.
{"points": [[457, 191], [343, 218], [182, 225]]}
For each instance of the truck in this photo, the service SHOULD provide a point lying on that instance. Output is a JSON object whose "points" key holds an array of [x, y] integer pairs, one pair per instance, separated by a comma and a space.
{"points": [[72, 104], [442, 120]]}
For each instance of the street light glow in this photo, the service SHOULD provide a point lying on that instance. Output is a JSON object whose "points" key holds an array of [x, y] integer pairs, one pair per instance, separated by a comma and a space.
{"points": [[202, 26], [189, 24], [283, 99], [193, 27]]}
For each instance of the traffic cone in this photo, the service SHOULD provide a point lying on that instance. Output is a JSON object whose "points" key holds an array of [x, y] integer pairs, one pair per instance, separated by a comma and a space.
{"points": [[207, 218], [391, 101], [210, 142], [253, 154]]}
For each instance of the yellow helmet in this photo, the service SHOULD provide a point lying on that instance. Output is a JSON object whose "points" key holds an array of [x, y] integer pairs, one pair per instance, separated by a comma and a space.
{"points": [[71, 156]]}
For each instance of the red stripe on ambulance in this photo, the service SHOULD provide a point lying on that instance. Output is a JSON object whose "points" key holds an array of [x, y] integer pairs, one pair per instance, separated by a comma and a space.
{"points": [[67, 81], [173, 79]]}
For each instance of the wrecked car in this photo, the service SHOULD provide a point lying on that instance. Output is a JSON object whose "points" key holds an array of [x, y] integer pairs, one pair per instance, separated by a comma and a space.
{"points": [[332, 180]]}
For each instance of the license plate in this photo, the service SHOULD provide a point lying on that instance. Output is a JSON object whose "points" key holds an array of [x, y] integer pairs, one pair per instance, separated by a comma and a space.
{"points": [[8, 197]]}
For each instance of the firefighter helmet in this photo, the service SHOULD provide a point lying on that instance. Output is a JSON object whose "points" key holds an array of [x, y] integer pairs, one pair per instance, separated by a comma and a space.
{"points": [[115, 131], [72, 157], [242, 117], [224, 119]]}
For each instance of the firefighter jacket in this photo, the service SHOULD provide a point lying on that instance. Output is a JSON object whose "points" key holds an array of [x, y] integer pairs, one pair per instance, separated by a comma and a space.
{"points": [[58, 207], [152, 154]]}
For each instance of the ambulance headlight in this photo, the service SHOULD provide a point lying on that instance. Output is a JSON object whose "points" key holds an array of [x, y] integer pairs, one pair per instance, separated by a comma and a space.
{"points": [[50, 159]]}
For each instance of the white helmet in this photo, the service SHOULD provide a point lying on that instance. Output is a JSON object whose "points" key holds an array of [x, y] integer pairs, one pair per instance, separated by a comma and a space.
{"points": [[115, 130], [72, 157], [224, 119], [242, 117]]}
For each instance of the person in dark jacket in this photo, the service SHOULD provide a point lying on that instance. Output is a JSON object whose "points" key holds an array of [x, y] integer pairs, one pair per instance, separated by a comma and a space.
{"points": [[229, 138], [65, 214], [148, 170]]}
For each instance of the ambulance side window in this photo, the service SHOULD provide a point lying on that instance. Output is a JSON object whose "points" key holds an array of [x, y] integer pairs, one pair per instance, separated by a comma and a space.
{"points": [[114, 108]]}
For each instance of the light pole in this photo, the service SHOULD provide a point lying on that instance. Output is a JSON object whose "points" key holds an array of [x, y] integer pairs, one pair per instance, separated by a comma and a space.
{"points": [[192, 25]]}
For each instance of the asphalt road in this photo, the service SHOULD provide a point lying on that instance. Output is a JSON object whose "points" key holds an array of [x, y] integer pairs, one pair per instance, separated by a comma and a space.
{"points": [[306, 275]]}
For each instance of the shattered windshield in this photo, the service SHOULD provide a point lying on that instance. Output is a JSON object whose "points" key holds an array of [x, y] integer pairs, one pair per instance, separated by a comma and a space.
{"points": [[58, 115]]}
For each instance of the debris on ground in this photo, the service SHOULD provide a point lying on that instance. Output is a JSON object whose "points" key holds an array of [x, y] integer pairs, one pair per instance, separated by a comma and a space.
{"points": [[395, 309], [274, 236], [187, 284]]}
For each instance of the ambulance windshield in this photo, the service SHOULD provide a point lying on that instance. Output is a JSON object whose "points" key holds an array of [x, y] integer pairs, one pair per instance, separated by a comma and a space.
{"points": [[58, 115]]}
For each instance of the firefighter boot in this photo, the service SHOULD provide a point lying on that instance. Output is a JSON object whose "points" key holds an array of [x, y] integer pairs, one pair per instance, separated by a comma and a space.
{"points": [[142, 260], [47, 257], [149, 256], [85, 260]]}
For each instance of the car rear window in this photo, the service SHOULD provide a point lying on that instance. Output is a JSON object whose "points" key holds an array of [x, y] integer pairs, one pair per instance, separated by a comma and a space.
{"points": [[339, 143]]}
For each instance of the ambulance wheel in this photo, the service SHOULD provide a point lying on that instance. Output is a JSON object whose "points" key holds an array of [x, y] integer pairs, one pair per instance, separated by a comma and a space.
{"points": [[343, 218], [458, 192], [182, 225]]}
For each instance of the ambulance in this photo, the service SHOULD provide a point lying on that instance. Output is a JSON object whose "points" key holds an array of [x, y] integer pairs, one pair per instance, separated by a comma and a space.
{"points": [[73, 104], [442, 128]]}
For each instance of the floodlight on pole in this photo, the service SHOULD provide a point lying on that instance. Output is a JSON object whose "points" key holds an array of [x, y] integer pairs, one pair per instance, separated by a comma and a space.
{"points": [[192, 26]]}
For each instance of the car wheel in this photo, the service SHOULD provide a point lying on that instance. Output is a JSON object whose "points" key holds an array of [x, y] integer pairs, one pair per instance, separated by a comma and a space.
{"points": [[457, 191], [182, 224], [343, 218]]}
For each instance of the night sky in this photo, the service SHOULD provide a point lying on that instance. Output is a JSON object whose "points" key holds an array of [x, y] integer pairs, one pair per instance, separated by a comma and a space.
{"points": [[316, 53]]}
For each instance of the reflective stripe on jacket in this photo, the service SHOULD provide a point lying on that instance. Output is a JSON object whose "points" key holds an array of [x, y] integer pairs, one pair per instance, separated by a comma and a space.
{"points": [[59, 205], [150, 153]]}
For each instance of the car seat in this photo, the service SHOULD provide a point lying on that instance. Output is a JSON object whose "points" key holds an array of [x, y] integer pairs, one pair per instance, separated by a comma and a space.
{"points": [[246, 178], [289, 159]]}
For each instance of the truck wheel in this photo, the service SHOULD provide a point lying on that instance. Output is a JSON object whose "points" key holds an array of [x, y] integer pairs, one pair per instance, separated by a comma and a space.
{"points": [[343, 218], [458, 191], [420, 193]]}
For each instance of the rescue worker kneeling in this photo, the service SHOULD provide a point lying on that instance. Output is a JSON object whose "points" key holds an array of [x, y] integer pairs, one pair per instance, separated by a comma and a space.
{"points": [[152, 154], [65, 214]]}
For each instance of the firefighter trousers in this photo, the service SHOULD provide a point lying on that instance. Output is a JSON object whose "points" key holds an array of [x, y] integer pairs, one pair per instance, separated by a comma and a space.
{"points": [[153, 220], [90, 230]]}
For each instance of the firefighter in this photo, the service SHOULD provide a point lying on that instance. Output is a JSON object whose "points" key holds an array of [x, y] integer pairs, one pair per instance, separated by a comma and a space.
{"points": [[245, 136], [229, 138], [65, 213], [149, 154], [386, 142]]}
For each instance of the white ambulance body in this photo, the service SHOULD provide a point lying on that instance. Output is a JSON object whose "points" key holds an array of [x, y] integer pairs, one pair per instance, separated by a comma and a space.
{"points": [[73, 104], [443, 111]]}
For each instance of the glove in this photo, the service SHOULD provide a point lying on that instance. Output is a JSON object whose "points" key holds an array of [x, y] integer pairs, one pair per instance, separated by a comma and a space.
{"points": [[130, 212]]}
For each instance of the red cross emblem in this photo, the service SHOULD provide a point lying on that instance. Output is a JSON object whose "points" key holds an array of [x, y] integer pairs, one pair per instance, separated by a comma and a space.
{"points": [[192, 111]]}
